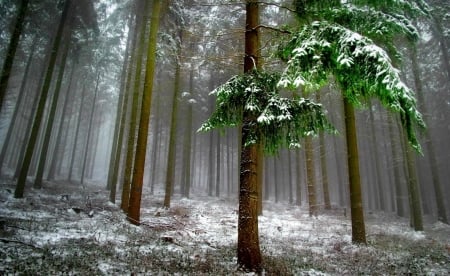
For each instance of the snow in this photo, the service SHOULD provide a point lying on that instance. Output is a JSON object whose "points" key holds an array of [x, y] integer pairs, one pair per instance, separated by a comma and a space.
{"points": [[199, 235]]}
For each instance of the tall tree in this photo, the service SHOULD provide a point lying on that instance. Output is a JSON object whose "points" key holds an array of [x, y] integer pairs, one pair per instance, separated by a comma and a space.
{"points": [[12, 47], [141, 147], [20, 99], [89, 131], [252, 100], [338, 42], [51, 116], [41, 105], [249, 255], [438, 192], [127, 176]]}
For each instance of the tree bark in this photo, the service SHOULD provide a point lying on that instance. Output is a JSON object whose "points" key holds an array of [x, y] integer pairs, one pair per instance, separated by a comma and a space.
{"points": [[141, 147], [170, 173], [11, 51], [41, 106], [249, 254], [129, 159], [311, 177], [356, 205], [123, 117]]}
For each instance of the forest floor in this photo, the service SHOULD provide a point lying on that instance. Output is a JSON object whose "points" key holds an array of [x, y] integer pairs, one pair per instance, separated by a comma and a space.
{"points": [[63, 229]]}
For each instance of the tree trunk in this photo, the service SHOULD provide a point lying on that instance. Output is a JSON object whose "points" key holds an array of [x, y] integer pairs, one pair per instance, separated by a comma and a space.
{"points": [[438, 192], [413, 189], [11, 51], [141, 147], [356, 205], [249, 254], [51, 115], [170, 173], [396, 159], [57, 154], [123, 84], [378, 181], [298, 187], [123, 116], [127, 176], [88, 138], [77, 134], [218, 166], [41, 106], [323, 165], [311, 177], [20, 99]]}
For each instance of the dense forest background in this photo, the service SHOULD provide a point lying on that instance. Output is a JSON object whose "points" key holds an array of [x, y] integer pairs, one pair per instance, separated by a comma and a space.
{"points": [[75, 81]]}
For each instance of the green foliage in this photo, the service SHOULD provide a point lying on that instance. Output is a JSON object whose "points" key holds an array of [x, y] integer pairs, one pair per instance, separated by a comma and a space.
{"points": [[280, 122], [360, 67]]}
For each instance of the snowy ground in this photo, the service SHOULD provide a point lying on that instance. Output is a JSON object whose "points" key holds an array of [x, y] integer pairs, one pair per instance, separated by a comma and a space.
{"points": [[67, 230]]}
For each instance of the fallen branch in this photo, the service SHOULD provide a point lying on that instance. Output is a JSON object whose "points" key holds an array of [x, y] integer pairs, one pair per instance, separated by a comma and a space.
{"points": [[19, 242]]}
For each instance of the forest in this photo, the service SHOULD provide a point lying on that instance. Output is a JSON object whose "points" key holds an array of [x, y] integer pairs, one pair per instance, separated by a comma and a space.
{"points": [[224, 137]]}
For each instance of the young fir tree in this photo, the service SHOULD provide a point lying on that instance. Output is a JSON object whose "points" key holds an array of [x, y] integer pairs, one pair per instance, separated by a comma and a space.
{"points": [[343, 39], [252, 102]]}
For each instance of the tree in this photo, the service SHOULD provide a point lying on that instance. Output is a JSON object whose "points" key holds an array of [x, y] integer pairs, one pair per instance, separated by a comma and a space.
{"points": [[11, 52], [338, 43], [139, 161], [41, 105], [252, 101], [127, 177]]}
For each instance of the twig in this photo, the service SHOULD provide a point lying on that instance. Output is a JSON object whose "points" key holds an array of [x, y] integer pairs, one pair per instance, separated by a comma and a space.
{"points": [[19, 242], [271, 28]]}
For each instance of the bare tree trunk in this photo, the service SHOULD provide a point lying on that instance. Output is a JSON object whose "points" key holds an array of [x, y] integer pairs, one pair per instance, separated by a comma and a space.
{"points": [[120, 109], [298, 190], [311, 177], [51, 115], [357, 213], [249, 254], [170, 175], [141, 147], [77, 134], [396, 159], [88, 138], [438, 192], [58, 143]]}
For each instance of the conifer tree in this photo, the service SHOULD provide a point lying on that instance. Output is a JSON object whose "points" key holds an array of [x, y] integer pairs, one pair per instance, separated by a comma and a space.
{"points": [[343, 39]]}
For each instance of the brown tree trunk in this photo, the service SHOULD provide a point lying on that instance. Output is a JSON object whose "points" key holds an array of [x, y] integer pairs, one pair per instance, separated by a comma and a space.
{"points": [[249, 255], [127, 175], [311, 177], [141, 147], [356, 205]]}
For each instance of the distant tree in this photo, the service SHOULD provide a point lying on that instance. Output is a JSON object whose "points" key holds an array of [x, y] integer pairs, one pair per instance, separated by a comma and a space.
{"points": [[11, 51]]}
